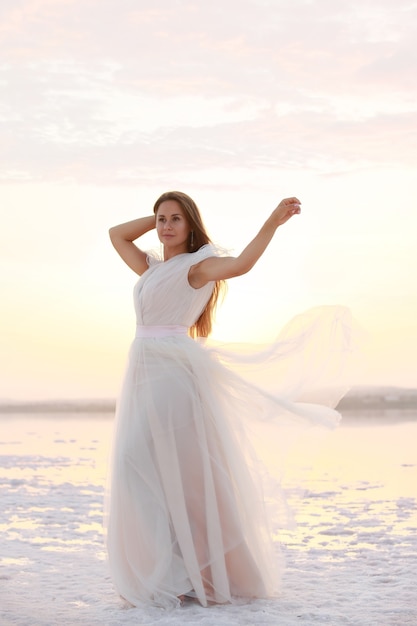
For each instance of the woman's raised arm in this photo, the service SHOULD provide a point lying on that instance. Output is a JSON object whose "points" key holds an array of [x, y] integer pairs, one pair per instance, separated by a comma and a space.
{"points": [[123, 236], [221, 268]]}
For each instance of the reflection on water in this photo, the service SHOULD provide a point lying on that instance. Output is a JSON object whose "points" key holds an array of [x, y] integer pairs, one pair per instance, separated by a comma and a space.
{"points": [[52, 481], [351, 558], [360, 494]]}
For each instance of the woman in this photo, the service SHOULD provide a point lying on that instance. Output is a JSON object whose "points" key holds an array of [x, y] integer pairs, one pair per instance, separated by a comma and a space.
{"points": [[186, 515]]}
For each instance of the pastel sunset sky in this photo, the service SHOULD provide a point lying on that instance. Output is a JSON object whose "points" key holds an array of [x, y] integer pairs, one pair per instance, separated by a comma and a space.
{"points": [[105, 104]]}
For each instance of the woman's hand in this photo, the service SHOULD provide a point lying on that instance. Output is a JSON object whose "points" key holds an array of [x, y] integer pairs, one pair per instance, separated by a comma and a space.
{"points": [[286, 209], [222, 268]]}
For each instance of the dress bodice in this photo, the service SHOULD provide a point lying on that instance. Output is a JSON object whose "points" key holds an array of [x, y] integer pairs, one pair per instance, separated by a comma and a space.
{"points": [[163, 295]]}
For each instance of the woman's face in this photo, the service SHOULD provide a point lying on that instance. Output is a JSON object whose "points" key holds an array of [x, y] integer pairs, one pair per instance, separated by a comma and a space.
{"points": [[172, 227]]}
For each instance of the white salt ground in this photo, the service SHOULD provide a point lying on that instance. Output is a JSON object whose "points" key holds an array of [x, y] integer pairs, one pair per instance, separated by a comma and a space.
{"points": [[351, 560]]}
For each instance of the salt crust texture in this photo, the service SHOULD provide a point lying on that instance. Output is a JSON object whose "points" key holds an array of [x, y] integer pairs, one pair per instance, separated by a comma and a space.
{"points": [[351, 560]]}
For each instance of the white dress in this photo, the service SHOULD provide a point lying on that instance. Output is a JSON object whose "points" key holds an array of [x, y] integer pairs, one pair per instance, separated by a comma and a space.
{"points": [[186, 513]]}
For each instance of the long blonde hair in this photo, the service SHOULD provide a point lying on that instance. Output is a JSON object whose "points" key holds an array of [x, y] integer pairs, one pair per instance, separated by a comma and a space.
{"points": [[198, 238]]}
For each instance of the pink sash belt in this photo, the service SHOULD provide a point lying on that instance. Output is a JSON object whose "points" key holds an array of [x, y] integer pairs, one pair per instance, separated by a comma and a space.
{"points": [[161, 331]]}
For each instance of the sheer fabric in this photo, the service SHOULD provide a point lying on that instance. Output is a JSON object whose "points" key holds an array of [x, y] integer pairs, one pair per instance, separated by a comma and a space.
{"points": [[186, 512]]}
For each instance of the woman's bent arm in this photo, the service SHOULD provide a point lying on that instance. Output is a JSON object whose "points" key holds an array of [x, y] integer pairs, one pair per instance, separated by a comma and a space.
{"points": [[122, 237], [221, 268]]}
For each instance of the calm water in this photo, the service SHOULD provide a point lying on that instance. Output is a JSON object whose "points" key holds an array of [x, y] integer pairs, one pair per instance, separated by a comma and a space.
{"points": [[378, 448]]}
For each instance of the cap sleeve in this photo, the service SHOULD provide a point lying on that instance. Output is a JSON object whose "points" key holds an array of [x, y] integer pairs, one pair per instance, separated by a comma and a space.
{"points": [[207, 251], [152, 258]]}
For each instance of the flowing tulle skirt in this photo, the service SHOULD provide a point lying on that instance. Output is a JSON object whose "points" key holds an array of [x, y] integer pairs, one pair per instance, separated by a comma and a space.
{"points": [[186, 511]]}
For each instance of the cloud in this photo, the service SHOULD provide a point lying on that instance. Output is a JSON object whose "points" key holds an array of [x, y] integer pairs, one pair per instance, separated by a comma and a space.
{"points": [[105, 91]]}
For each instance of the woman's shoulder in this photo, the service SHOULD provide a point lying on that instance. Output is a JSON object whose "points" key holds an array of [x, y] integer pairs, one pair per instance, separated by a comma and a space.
{"points": [[203, 252], [208, 250], [153, 257]]}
